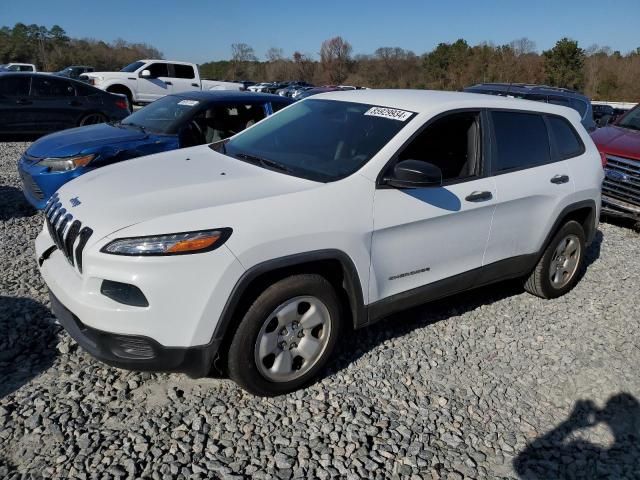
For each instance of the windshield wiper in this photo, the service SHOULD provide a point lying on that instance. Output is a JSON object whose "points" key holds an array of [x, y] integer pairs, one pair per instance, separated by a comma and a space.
{"points": [[265, 162]]}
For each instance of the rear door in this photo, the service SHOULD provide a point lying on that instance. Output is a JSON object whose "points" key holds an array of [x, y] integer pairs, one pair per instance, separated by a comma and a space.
{"points": [[54, 105], [532, 184], [156, 86], [14, 98], [183, 78]]}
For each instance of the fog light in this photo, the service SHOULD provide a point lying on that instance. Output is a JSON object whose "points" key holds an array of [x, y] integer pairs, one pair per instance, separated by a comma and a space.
{"points": [[124, 293]]}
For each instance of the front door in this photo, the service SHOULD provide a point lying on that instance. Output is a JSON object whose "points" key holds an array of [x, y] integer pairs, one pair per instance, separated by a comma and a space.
{"points": [[157, 85], [428, 234], [14, 98]]}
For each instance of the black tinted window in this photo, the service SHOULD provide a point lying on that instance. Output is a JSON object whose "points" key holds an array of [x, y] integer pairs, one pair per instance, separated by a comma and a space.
{"points": [[521, 140], [159, 70], [565, 137], [51, 87], [14, 86], [85, 90], [183, 71], [275, 106]]}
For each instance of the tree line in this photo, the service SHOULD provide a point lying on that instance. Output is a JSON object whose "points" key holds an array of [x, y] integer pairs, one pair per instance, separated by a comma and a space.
{"points": [[598, 71], [52, 49]]}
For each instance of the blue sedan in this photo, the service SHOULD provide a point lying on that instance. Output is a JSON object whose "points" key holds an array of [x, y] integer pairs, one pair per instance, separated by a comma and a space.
{"points": [[172, 122]]}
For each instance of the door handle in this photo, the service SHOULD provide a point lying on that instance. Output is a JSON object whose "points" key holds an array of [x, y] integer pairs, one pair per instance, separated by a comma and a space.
{"points": [[479, 197], [168, 83], [558, 179], [194, 84], [75, 103], [23, 101]]}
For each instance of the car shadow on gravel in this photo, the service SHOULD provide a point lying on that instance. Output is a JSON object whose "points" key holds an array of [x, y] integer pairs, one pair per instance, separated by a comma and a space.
{"points": [[565, 453], [28, 338], [13, 204], [357, 343]]}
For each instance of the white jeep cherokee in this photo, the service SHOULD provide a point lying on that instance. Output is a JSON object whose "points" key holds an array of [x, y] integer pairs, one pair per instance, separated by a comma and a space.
{"points": [[252, 255]]}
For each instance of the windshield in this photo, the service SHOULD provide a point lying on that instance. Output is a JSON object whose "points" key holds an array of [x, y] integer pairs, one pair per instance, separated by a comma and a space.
{"points": [[132, 67], [322, 140], [165, 115], [631, 120]]}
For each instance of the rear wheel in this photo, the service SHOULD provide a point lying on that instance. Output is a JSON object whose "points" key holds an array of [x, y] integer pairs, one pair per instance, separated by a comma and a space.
{"points": [[92, 119], [286, 336], [558, 270]]}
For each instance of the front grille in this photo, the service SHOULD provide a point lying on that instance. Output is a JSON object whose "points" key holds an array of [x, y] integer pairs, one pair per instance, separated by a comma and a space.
{"points": [[30, 185], [622, 179], [66, 231]]}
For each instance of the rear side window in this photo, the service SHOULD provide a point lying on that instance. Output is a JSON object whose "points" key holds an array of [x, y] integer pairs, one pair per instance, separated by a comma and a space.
{"points": [[521, 141], [51, 87], [566, 139], [15, 86], [579, 106], [183, 71]]}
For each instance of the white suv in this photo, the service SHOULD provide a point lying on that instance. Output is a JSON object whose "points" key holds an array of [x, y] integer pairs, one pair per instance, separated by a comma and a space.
{"points": [[252, 254]]}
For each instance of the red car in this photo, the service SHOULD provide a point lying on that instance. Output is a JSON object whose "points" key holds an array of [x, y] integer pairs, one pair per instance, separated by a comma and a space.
{"points": [[619, 146]]}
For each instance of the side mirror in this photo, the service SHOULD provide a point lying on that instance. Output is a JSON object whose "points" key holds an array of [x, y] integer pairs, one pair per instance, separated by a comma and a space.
{"points": [[145, 74], [414, 174]]}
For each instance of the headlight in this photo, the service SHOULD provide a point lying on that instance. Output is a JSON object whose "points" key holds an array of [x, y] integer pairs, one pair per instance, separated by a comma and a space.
{"points": [[171, 244], [66, 163]]}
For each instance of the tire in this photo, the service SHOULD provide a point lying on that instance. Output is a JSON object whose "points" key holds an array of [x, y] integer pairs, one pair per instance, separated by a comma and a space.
{"points": [[92, 119], [271, 322], [558, 271]]}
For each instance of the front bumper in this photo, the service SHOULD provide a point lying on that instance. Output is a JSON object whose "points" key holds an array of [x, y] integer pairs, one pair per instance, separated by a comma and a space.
{"points": [[619, 208], [135, 352]]}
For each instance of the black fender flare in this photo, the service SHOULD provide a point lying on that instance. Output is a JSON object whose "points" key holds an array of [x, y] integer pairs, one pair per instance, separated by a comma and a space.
{"points": [[352, 285]]}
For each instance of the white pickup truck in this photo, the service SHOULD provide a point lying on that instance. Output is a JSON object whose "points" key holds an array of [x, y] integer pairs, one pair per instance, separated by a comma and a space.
{"points": [[147, 80]]}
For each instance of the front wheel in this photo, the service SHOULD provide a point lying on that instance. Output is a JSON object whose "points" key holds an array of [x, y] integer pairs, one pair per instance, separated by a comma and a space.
{"points": [[286, 336], [558, 270]]}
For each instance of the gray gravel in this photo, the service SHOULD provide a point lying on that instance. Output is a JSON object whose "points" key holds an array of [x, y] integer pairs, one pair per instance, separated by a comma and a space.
{"points": [[490, 384]]}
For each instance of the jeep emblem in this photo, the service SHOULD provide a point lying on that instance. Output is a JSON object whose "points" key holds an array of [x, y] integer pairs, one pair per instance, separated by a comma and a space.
{"points": [[75, 201]]}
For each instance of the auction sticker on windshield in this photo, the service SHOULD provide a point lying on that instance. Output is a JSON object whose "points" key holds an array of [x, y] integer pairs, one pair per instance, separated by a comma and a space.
{"points": [[393, 113], [188, 103]]}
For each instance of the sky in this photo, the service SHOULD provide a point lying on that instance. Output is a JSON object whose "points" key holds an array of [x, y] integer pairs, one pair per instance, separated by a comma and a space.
{"points": [[201, 30]]}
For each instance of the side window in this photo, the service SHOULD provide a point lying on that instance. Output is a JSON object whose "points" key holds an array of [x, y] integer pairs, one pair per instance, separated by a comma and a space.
{"points": [[50, 87], [159, 70], [85, 91], [276, 106], [521, 140], [566, 139], [15, 86], [183, 71], [452, 143], [223, 121]]}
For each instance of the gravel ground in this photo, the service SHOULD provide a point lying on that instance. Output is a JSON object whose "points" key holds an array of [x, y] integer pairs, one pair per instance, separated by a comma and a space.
{"points": [[494, 383]]}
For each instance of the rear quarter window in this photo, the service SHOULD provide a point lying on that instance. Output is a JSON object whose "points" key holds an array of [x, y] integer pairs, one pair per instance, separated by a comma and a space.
{"points": [[521, 141], [566, 140]]}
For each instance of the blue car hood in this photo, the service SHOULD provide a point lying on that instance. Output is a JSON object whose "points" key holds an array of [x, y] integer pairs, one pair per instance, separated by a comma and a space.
{"points": [[76, 140]]}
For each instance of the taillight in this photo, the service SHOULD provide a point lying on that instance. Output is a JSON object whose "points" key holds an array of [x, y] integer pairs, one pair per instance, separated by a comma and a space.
{"points": [[122, 103], [603, 159]]}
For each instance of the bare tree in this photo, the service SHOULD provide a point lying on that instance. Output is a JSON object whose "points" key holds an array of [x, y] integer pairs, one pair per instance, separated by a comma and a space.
{"points": [[274, 54], [241, 54], [335, 57], [523, 46]]}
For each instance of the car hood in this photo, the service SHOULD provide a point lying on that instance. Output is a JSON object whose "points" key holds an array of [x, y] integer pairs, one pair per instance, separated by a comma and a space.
{"points": [[77, 140], [117, 196], [616, 140], [109, 74]]}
